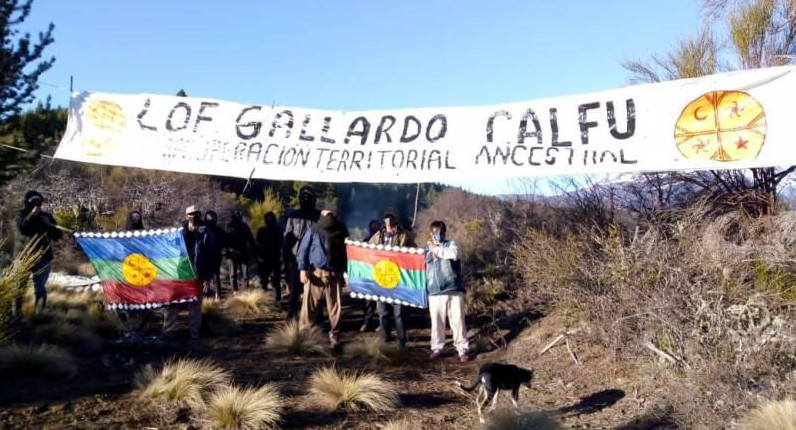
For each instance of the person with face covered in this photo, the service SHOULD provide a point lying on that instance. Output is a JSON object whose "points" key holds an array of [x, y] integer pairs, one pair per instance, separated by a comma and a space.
{"points": [[445, 293], [269, 257], [369, 306], [220, 238], [134, 221], [240, 246], [321, 261], [296, 224], [34, 224], [391, 234]]}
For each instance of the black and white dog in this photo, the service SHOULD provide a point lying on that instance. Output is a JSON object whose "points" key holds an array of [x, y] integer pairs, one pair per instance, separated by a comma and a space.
{"points": [[493, 377]]}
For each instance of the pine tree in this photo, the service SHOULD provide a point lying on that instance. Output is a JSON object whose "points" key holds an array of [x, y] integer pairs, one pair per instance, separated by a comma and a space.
{"points": [[21, 62]]}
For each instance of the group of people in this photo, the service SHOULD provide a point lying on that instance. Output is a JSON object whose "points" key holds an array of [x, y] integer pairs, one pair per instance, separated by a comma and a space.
{"points": [[311, 246], [318, 251], [236, 243]]}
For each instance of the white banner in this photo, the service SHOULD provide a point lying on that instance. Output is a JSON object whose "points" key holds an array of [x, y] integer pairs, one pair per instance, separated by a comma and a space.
{"points": [[732, 120]]}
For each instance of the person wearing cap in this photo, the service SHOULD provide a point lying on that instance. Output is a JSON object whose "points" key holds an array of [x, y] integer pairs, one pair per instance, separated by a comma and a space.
{"points": [[321, 261], [296, 224], [445, 293], [392, 234], [34, 224], [200, 246], [240, 246]]}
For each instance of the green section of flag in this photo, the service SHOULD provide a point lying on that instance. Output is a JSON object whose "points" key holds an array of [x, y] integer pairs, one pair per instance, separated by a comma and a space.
{"points": [[414, 279], [172, 269]]}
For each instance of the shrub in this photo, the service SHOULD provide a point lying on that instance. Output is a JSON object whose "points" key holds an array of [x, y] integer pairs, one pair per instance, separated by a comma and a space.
{"points": [[185, 380], [334, 390], [14, 279], [779, 415], [287, 337], [710, 292], [257, 209], [232, 407], [40, 361], [504, 419], [253, 302]]}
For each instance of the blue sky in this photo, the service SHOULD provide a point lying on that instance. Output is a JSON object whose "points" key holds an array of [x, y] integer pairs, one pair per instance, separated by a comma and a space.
{"points": [[356, 55]]}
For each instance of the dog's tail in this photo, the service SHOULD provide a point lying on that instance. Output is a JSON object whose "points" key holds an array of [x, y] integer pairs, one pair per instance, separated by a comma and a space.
{"points": [[476, 383]]}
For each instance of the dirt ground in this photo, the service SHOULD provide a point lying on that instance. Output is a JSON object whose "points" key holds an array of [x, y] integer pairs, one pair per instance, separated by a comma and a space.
{"points": [[100, 395]]}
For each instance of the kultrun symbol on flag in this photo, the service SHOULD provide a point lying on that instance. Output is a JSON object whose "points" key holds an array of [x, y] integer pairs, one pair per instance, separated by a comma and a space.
{"points": [[138, 270], [386, 274], [721, 126]]}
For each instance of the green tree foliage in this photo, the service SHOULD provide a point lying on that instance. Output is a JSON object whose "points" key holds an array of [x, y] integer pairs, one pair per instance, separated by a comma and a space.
{"points": [[33, 133], [21, 62]]}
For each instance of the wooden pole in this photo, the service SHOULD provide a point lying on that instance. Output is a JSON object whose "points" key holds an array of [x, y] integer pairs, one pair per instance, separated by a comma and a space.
{"points": [[417, 199]]}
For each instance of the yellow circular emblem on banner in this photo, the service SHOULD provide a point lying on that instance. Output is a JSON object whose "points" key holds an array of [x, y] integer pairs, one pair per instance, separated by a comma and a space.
{"points": [[386, 274], [138, 270], [109, 121], [721, 126]]}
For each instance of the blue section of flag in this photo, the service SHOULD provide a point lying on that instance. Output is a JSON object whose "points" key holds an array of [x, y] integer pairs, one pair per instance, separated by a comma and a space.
{"points": [[367, 286], [166, 245]]}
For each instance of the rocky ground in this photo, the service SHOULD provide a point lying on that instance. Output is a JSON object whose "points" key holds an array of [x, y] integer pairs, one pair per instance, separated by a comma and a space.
{"points": [[589, 394]]}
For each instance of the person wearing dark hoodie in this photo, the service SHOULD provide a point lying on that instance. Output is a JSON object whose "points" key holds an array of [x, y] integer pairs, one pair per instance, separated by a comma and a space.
{"points": [[269, 257], [296, 224], [240, 246], [134, 221], [321, 261], [369, 306], [220, 238], [34, 224], [134, 320]]}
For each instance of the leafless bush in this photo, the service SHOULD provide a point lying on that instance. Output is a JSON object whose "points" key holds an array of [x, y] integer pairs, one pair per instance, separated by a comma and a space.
{"points": [[714, 295]]}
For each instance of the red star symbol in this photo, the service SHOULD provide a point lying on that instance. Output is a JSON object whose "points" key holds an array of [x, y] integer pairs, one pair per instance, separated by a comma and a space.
{"points": [[741, 144]]}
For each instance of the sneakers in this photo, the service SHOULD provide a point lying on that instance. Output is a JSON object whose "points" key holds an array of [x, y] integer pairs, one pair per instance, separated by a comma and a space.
{"points": [[465, 358], [435, 355], [364, 327]]}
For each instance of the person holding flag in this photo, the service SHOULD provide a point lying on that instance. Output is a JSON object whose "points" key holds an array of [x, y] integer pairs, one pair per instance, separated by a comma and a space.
{"points": [[392, 234], [34, 224]]}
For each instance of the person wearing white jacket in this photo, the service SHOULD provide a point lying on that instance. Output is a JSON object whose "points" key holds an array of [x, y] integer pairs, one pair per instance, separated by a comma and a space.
{"points": [[445, 293]]}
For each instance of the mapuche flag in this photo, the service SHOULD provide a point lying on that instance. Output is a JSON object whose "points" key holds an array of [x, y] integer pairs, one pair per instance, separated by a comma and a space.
{"points": [[387, 273], [141, 269]]}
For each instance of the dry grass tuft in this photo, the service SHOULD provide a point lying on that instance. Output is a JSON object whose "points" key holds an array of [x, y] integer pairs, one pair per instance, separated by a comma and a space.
{"points": [[779, 415], [76, 338], [215, 321], [334, 390], [41, 361], [185, 380], [377, 350], [402, 424], [14, 280], [252, 302], [505, 419], [231, 407], [287, 337]]}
